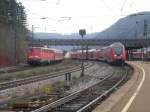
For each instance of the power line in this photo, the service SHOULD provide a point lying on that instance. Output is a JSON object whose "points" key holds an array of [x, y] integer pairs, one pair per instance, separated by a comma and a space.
{"points": [[61, 19], [132, 3], [116, 2], [109, 8], [49, 1], [35, 14], [58, 2], [41, 16], [123, 5]]}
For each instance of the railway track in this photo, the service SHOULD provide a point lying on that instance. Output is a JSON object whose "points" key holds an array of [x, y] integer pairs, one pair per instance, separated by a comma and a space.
{"points": [[85, 99], [20, 67], [19, 82], [15, 68]]}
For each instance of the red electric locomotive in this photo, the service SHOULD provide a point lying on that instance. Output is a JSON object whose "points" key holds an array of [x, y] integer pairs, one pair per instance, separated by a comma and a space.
{"points": [[42, 55]]}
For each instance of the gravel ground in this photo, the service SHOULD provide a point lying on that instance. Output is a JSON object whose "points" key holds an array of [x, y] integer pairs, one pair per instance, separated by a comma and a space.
{"points": [[36, 71], [92, 75]]}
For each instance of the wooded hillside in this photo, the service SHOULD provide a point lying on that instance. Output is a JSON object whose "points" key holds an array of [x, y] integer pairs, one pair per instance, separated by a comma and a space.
{"points": [[13, 32]]}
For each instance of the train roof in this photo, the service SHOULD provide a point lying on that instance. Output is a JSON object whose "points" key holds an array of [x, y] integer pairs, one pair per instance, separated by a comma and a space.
{"points": [[92, 50], [116, 44], [55, 50]]}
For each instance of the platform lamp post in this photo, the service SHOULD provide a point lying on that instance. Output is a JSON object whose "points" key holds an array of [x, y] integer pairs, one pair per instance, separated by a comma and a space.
{"points": [[14, 19], [82, 32]]}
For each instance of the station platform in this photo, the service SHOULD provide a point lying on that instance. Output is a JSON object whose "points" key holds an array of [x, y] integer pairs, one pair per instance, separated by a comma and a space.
{"points": [[134, 96]]}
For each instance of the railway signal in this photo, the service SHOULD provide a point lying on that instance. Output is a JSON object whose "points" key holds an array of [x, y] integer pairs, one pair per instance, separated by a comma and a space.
{"points": [[82, 32], [68, 79], [68, 76]]}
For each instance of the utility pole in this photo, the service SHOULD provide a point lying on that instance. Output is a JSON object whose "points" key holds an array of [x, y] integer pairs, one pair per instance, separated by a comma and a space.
{"points": [[15, 30], [136, 30], [15, 45], [87, 52], [145, 36], [32, 35]]}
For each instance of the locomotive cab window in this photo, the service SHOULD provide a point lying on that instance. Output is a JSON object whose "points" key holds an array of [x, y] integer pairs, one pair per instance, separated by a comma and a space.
{"points": [[30, 49], [37, 50], [118, 50]]}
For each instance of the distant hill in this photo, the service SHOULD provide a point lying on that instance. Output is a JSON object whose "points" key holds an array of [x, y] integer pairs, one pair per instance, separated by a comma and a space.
{"points": [[131, 26], [61, 36]]}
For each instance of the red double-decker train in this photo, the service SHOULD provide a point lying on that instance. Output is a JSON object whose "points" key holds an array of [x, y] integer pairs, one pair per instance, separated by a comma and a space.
{"points": [[43, 55], [115, 53]]}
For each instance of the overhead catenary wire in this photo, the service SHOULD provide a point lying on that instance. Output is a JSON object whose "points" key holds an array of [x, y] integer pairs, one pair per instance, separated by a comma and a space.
{"points": [[116, 2], [132, 3], [109, 8], [58, 2], [50, 1], [39, 15], [71, 17], [123, 6]]}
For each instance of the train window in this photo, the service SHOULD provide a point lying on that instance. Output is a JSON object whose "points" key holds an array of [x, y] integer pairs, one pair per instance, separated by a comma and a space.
{"points": [[44, 50], [47, 50], [51, 51], [118, 50], [30, 49], [37, 50]]}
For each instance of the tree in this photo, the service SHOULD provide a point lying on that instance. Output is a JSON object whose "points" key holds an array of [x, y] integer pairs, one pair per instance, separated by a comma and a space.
{"points": [[13, 13]]}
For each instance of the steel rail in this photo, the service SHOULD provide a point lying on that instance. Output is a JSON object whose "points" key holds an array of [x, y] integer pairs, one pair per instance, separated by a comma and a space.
{"points": [[20, 67], [76, 95], [86, 107], [67, 98], [19, 82], [14, 68]]}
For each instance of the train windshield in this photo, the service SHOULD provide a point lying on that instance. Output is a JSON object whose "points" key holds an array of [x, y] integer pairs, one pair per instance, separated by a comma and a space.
{"points": [[30, 49], [37, 50], [118, 49], [34, 49]]}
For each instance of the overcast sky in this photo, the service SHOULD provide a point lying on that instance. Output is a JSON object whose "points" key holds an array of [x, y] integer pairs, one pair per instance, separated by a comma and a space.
{"points": [[68, 16]]}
